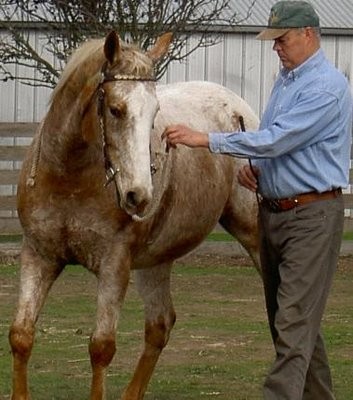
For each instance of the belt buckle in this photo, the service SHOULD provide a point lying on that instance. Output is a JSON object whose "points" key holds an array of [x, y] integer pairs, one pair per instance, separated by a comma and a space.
{"points": [[275, 205]]}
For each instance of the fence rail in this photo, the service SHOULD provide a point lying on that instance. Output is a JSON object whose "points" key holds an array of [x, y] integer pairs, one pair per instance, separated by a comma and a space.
{"points": [[14, 140]]}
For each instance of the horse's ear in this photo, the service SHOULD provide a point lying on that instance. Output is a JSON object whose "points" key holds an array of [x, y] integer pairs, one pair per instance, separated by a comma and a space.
{"points": [[161, 46], [112, 47]]}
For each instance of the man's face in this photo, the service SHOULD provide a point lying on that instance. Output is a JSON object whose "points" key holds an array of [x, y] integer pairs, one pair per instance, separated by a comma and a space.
{"points": [[292, 48]]}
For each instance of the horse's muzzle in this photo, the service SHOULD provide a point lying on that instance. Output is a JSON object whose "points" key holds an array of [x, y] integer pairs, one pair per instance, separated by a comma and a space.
{"points": [[135, 201]]}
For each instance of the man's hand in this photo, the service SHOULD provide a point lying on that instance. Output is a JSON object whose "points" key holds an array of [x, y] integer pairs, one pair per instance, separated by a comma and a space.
{"points": [[181, 134], [247, 177]]}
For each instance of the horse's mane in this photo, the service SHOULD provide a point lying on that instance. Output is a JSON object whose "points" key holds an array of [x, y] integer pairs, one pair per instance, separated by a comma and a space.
{"points": [[89, 58], [89, 49]]}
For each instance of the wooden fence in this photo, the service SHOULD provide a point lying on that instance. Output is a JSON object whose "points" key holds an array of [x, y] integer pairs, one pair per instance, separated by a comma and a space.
{"points": [[14, 140]]}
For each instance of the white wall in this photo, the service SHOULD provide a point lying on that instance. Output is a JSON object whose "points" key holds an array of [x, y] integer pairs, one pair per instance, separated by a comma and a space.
{"points": [[239, 61]]}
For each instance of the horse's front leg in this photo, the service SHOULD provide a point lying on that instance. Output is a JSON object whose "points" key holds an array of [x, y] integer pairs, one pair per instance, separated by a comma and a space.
{"points": [[113, 279], [154, 287], [37, 276]]}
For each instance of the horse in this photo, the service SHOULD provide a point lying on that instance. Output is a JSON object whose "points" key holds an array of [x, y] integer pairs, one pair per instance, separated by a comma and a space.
{"points": [[99, 187]]}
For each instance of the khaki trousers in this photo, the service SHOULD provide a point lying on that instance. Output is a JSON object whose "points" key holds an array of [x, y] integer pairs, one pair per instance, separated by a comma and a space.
{"points": [[299, 254]]}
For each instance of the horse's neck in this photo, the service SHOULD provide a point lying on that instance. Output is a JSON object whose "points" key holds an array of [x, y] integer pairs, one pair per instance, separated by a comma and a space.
{"points": [[70, 131]]}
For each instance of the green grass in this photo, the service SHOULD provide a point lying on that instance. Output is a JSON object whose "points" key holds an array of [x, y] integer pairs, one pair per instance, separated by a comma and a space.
{"points": [[348, 236], [214, 236], [219, 349], [226, 237], [220, 237], [10, 238]]}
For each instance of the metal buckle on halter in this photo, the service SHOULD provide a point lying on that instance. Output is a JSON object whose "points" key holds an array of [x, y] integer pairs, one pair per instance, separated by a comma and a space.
{"points": [[110, 174], [154, 169]]}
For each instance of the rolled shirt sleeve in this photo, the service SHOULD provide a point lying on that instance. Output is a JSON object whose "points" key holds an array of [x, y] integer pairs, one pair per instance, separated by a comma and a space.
{"points": [[303, 143]]}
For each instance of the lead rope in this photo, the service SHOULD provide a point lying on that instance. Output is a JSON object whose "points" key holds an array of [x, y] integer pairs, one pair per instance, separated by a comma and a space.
{"points": [[35, 161], [242, 127]]}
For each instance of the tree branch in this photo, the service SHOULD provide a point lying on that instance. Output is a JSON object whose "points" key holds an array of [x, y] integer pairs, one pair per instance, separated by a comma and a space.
{"points": [[69, 22]]}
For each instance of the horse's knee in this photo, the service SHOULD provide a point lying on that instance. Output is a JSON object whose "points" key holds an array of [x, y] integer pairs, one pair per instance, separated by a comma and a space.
{"points": [[21, 341], [157, 332], [102, 350]]}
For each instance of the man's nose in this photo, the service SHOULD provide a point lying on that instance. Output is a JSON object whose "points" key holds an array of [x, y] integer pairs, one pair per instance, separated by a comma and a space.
{"points": [[276, 46]]}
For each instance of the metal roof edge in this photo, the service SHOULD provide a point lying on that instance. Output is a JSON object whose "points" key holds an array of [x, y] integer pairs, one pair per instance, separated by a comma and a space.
{"points": [[4, 25], [259, 28]]}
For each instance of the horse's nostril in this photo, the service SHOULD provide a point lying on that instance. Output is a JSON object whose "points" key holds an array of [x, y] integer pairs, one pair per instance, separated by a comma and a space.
{"points": [[132, 199], [136, 201]]}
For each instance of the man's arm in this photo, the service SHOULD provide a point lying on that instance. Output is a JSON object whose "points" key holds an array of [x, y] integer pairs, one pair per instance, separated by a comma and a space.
{"points": [[181, 134]]}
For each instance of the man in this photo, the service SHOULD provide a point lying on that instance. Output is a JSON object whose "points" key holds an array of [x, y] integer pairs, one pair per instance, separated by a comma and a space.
{"points": [[301, 157]]}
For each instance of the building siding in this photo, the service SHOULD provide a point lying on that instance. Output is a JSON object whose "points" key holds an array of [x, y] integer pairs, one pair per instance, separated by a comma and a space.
{"points": [[239, 62]]}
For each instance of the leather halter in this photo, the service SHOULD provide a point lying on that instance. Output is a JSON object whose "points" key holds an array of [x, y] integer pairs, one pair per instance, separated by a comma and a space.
{"points": [[110, 169]]}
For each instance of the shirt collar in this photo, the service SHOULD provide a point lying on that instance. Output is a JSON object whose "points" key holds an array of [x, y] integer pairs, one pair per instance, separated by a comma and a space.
{"points": [[316, 59]]}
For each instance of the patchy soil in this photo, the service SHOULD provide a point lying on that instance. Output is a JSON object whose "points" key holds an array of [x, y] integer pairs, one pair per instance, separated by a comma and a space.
{"points": [[10, 255], [345, 262], [220, 346], [214, 259]]}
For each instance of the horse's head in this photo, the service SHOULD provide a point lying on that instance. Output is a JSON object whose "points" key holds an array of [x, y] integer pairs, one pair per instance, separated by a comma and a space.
{"points": [[128, 106]]}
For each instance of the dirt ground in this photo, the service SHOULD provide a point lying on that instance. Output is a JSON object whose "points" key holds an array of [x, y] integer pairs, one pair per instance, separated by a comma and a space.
{"points": [[345, 262], [219, 346], [10, 255]]}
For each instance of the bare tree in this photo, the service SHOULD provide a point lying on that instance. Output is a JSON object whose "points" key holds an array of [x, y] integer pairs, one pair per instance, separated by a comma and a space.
{"points": [[64, 24]]}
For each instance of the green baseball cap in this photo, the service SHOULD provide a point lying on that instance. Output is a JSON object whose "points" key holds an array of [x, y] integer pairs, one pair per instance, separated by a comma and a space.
{"points": [[286, 15]]}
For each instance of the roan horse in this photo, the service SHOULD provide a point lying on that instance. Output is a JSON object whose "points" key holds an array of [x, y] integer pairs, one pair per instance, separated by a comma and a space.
{"points": [[106, 117]]}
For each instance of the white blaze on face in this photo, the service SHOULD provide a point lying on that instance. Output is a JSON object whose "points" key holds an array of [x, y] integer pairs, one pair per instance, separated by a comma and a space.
{"points": [[142, 106]]}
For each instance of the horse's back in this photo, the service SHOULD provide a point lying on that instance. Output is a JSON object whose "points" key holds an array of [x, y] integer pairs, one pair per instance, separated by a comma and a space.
{"points": [[204, 105]]}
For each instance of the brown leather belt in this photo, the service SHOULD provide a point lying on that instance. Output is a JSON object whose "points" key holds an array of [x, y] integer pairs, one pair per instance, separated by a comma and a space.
{"points": [[278, 205]]}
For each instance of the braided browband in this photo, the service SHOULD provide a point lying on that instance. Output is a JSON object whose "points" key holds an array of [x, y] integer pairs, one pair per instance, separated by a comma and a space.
{"points": [[121, 77], [106, 77]]}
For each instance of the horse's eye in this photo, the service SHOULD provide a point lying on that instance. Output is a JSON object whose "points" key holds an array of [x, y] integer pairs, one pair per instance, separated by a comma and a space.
{"points": [[116, 112]]}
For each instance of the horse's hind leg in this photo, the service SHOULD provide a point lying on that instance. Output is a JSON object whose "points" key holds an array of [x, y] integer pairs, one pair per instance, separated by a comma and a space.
{"points": [[239, 218], [154, 287], [37, 277]]}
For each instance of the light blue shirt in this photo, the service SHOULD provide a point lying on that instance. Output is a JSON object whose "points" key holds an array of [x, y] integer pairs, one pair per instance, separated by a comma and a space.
{"points": [[304, 140]]}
